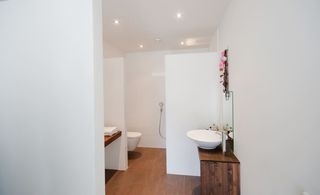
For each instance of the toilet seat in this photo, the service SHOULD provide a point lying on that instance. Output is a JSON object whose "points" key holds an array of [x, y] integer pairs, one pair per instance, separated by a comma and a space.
{"points": [[131, 134]]}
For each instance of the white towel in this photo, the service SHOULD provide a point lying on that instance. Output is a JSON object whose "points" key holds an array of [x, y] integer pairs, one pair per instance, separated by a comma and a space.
{"points": [[110, 130]]}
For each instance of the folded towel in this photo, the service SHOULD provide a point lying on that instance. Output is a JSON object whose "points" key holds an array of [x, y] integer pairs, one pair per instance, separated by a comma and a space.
{"points": [[110, 130], [110, 134]]}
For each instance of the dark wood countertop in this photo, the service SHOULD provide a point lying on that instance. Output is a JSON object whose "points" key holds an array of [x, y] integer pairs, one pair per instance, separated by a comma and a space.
{"points": [[217, 155], [109, 139]]}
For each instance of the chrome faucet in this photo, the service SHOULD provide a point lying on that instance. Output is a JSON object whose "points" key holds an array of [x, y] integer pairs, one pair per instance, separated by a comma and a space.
{"points": [[224, 133]]}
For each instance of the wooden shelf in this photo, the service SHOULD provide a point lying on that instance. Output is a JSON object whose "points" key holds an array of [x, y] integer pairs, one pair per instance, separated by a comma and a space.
{"points": [[109, 139]]}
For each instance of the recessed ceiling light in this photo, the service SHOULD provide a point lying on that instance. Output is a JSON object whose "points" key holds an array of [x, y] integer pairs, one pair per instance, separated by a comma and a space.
{"points": [[116, 22], [179, 15], [191, 42], [141, 46], [158, 39], [181, 43]]}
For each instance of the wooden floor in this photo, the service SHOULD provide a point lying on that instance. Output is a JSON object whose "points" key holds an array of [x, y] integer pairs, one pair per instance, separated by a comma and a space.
{"points": [[146, 175]]}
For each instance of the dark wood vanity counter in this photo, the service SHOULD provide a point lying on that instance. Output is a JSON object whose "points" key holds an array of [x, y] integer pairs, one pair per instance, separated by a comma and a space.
{"points": [[220, 172], [109, 139], [217, 155]]}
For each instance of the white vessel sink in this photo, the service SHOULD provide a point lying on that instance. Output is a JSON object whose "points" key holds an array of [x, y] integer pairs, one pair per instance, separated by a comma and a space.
{"points": [[205, 139]]}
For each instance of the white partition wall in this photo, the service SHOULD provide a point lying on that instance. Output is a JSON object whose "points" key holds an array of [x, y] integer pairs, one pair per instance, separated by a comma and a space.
{"points": [[51, 127], [144, 90], [116, 153], [191, 98]]}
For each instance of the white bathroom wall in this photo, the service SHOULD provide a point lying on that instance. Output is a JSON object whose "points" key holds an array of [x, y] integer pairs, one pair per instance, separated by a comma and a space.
{"points": [[111, 52], [214, 43], [51, 138], [145, 88], [144, 85], [274, 72], [191, 98], [116, 153]]}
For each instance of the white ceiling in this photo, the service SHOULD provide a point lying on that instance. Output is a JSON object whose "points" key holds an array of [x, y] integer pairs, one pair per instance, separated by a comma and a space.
{"points": [[142, 21]]}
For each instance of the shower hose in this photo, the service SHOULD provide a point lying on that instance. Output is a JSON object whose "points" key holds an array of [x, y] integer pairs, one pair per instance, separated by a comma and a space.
{"points": [[161, 104]]}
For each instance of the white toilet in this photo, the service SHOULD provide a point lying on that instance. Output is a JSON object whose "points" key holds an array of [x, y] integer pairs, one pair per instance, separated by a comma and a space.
{"points": [[133, 140]]}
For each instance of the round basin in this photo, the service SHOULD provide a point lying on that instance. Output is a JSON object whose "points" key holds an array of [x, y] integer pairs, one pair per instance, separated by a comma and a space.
{"points": [[205, 139]]}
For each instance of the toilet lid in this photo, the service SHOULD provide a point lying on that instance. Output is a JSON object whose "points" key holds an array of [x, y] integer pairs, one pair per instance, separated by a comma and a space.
{"points": [[133, 134]]}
